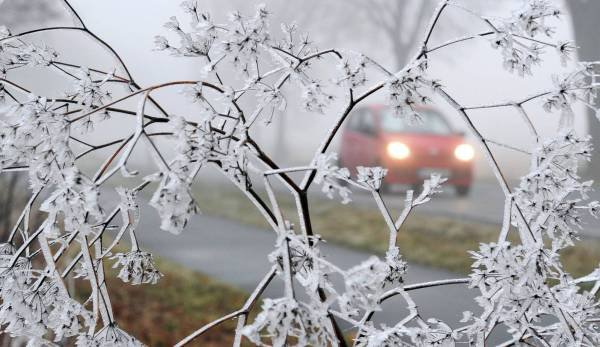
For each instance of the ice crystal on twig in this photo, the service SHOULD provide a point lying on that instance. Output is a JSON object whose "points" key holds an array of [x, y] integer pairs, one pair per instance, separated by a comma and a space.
{"points": [[329, 176], [284, 318], [137, 267]]}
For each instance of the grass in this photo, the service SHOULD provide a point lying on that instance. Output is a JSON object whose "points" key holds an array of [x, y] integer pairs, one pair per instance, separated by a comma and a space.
{"points": [[181, 302], [434, 241]]}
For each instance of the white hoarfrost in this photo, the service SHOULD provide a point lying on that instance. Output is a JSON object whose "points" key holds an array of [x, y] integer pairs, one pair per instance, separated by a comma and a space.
{"points": [[523, 291]]}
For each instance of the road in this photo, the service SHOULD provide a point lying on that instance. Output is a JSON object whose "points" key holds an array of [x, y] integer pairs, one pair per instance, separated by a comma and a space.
{"points": [[237, 255]]}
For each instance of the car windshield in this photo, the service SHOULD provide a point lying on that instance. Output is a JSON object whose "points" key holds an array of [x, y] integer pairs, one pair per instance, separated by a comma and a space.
{"points": [[431, 122]]}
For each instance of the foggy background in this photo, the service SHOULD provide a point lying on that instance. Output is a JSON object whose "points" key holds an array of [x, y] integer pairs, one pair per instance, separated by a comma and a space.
{"points": [[384, 30]]}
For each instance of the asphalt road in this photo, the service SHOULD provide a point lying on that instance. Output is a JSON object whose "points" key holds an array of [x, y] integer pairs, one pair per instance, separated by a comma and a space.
{"points": [[237, 255]]}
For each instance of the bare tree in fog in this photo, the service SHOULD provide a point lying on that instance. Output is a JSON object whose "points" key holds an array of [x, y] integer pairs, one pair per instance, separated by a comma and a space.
{"points": [[398, 20], [16, 13]]}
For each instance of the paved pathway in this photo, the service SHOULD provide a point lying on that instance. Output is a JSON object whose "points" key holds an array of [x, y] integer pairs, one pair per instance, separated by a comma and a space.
{"points": [[237, 255]]}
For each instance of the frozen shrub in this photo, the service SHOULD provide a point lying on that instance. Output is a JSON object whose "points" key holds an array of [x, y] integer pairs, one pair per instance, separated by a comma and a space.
{"points": [[522, 286]]}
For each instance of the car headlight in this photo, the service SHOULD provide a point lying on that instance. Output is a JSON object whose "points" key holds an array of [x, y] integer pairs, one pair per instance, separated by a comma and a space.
{"points": [[464, 152], [398, 150]]}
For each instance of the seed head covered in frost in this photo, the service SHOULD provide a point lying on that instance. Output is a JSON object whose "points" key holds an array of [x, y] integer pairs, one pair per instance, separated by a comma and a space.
{"points": [[431, 186], [194, 145], [197, 41], [314, 97], [137, 267], [431, 333], [365, 283], [371, 177], [15, 53], [246, 37], [173, 201], [406, 90], [568, 89], [75, 198], [109, 336], [352, 72], [34, 134], [305, 259], [128, 198], [68, 318], [518, 37], [330, 177], [284, 319], [552, 194], [89, 91]]}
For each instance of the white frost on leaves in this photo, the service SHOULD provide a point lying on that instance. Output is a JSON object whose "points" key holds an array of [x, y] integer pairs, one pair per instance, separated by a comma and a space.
{"points": [[90, 92], [370, 177], [351, 70], [552, 194], [75, 198], [366, 282], [15, 53], [518, 37], [173, 201], [137, 267], [34, 134], [407, 90], [431, 186], [431, 333], [330, 177], [282, 318], [568, 90], [109, 336]]}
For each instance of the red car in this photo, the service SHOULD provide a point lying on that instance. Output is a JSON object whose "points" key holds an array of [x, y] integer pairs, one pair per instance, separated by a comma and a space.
{"points": [[375, 136]]}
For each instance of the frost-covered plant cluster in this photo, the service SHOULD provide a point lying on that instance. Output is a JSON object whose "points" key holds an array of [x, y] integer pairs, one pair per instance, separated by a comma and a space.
{"points": [[523, 289]]}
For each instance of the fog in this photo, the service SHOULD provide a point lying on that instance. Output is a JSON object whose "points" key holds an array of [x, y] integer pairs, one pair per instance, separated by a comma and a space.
{"points": [[467, 70]]}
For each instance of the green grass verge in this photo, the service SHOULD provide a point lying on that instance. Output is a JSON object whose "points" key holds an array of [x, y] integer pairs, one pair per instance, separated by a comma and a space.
{"points": [[181, 302], [439, 242]]}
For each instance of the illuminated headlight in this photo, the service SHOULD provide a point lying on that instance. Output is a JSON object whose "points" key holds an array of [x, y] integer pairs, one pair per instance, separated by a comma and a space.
{"points": [[464, 152], [398, 150]]}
